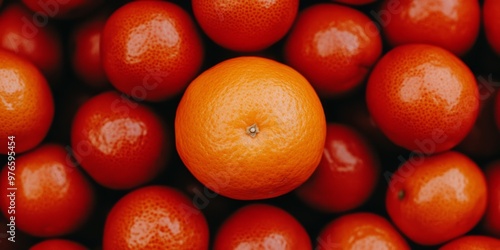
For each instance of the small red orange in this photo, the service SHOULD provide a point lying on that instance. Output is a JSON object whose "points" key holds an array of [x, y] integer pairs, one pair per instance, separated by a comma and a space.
{"points": [[260, 226], [437, 198], [334, 47], [245, 25], [423, 98], [150, 50], [360, 231], [155, 217]]}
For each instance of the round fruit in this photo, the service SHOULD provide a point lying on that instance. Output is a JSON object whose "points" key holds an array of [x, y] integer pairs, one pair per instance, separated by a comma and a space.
{"points": [[53, 197], [150, 49], [347, 174], [334, 47], [245, 25], [491, 220], [437, 198], [155, 217], [22, 33], [86, 56], [119, 143], [423, 98], [472, 242], [360, 231], [58, 244], [250, 128], [491, 8], [26, 104], [450, 24], [260, 226], [61, 8]]}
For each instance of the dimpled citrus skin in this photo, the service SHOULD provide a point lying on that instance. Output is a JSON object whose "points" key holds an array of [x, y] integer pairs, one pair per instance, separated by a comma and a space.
{"points": [[40, 45], [26, 103], [472, 242], [491, 8], [155, 217], [451, 24], [423, 98], [360, 231], [150, 49], [220, 106], [119, 143], [333, 46], [53, 244], [53, 197], [245, 25], [437, 198], [260, 226]]}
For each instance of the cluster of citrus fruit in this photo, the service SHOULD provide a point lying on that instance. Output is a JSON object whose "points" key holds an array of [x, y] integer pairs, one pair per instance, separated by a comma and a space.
{"points": [[249, 124]]}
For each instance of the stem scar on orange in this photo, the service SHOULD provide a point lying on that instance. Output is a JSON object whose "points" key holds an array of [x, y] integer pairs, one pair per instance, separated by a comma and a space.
{"points": [[437, 198], [250, 128]]}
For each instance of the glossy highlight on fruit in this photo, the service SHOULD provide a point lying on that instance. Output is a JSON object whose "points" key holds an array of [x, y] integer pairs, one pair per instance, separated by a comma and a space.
{"points": [[334, 47], [26, 103], [433, 199], [450, 24], [121, 144], [151, 49], [423, 98], [52, 198]]}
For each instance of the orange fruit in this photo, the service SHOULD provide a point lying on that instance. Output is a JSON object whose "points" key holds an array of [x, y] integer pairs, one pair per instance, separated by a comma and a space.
{"points": [[437, 198], [334, 47], [260, 226], [250, 128], [491, 8], [26, 103], [245, 25], [150, 50], [423, 98], [155, 217], [119, 143], [52, 197], [360, 231], [450, 24], [40, 44], [347, 174], [472, 242]]}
